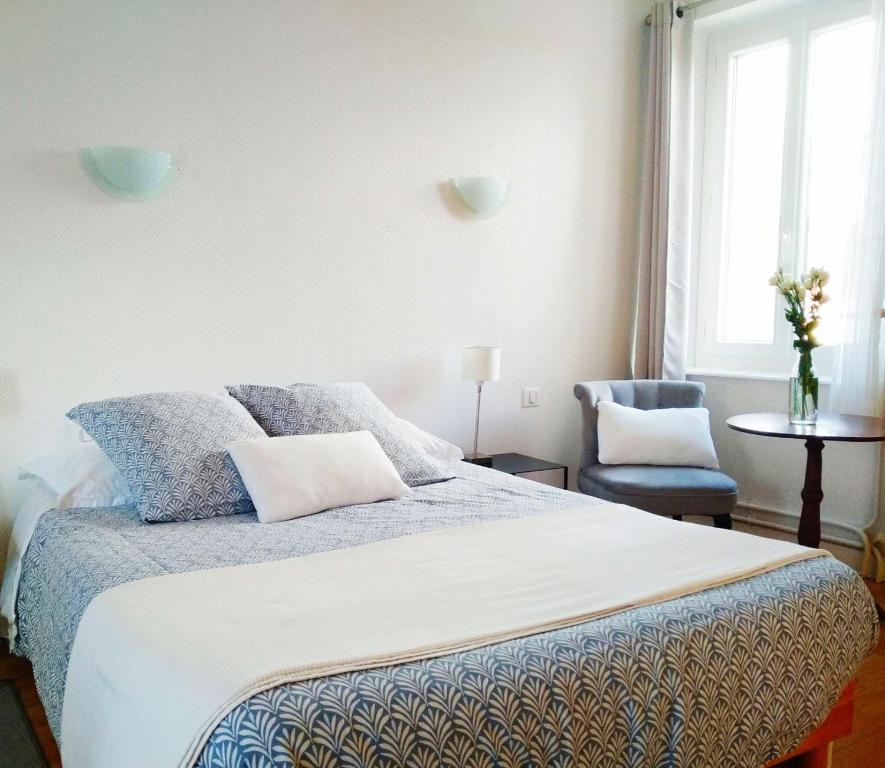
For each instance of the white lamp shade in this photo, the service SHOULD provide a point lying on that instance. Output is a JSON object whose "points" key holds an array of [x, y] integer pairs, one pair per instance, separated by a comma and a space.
{"points": [[482, 363]]}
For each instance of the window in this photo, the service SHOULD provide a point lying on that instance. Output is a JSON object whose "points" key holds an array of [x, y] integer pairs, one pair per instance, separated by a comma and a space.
{"points": [[783, 112]]}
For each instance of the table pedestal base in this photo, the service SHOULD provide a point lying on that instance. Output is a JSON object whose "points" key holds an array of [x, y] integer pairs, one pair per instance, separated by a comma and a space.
{"points": [[829, 426], [812, 495]]}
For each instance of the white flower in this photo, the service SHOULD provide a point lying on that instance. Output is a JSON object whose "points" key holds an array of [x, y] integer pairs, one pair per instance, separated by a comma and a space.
{"points": [[817, 275]]}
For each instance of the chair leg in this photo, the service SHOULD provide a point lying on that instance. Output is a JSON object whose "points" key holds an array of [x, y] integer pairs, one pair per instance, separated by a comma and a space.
{"points": [[677, 517], [722, 521]]}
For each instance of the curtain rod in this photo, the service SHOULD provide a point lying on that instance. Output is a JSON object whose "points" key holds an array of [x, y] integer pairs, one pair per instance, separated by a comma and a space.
{"points": [[681, 9]]}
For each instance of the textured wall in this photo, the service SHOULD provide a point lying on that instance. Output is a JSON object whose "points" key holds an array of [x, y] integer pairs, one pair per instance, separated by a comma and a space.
{"points": [[306, 237]]}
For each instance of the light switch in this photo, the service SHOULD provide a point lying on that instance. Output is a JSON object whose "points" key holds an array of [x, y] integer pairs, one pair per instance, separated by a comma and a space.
{"points": [[531, 397]]}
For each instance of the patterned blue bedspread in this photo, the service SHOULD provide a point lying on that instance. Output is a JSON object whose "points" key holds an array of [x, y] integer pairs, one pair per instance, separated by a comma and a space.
{"points": [[732, 676]]}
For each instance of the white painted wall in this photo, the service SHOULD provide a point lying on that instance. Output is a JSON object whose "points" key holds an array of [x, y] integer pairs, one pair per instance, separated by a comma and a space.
{"points": [[770, 472], [306, 237]]}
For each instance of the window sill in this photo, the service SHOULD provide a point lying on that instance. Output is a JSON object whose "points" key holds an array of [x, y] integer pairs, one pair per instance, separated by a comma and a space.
{"points": [[717, 373]]}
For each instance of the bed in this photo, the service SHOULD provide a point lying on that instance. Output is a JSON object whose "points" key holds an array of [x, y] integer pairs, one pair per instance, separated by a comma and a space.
{"points": [[735, 675]]}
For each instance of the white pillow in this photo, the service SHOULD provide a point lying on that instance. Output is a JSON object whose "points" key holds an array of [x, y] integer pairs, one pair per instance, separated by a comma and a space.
{"points": [[432, 445], [80, 475], [675, 437], [298, 475]]}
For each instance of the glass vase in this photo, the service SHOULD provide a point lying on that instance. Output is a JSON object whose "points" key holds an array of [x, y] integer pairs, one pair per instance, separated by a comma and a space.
{"points": [[803, 390]]}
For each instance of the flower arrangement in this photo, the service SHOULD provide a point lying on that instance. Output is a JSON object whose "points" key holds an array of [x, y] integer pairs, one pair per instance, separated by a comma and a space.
{"points": [[804, 298]]}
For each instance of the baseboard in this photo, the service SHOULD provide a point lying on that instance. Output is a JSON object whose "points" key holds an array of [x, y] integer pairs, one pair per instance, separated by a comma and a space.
{"points": [[832, 531]]}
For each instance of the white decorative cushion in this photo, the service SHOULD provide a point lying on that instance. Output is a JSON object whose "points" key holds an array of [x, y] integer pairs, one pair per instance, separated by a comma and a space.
{"points": [[298, 475], [80, 475], [668, 437]]}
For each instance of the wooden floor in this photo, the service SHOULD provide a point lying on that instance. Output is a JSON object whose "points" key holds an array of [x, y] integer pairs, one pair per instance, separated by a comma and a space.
{"points": [[863, 748], [19, 671]]}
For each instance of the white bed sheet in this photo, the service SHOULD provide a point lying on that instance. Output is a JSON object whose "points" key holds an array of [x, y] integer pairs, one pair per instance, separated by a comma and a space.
{"points": [[37, 500]]}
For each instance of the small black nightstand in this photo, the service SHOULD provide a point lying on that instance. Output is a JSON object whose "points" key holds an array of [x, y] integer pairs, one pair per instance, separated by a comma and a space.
{"points": [[520, 464]]}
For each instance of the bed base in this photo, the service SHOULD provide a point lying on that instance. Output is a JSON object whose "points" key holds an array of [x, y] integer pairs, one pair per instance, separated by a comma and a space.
{"points": [[817, 749]]}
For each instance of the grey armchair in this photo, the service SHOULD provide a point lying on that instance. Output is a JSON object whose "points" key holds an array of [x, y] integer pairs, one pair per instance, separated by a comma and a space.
{"points": [[672, 491]]}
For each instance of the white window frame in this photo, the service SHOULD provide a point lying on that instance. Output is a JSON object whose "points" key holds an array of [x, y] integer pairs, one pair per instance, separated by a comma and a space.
{"points": [[716, 43]]}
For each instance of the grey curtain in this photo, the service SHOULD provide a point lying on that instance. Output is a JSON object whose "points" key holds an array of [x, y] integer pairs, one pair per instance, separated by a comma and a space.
{"points": [[660, 336]]}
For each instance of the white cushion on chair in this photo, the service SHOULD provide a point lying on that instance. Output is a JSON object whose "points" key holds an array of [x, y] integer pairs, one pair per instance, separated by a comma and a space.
{"points": [[666, 437]]}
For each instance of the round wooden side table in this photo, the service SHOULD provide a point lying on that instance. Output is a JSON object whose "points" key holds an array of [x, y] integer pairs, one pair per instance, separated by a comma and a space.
{"points": [[829, 426]]}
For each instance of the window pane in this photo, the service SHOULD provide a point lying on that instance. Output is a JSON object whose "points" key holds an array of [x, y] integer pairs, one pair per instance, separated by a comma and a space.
{"points": [[839, 92], [752, 209]]}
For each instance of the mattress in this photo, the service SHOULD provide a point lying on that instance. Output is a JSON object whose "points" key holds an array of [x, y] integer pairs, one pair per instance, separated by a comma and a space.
{"points": [[735, 675]]}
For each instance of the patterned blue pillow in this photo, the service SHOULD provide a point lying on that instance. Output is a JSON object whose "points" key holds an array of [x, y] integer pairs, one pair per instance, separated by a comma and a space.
{"points": [[311, 409], [170, 449]]}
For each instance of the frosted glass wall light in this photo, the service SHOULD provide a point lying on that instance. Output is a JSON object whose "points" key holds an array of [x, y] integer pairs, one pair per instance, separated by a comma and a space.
{"points": [[483, 195], [128, 173]]}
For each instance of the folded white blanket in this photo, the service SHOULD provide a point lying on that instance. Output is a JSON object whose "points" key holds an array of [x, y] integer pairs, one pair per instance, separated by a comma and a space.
{"points": [[157, 663]]}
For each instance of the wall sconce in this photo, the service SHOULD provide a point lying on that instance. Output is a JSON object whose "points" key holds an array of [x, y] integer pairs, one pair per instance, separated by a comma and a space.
{"points": [[482, 195], [128, 173]]}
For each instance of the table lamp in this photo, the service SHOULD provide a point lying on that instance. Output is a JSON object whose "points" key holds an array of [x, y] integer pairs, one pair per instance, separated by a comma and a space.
{"points": [[481, 364]]}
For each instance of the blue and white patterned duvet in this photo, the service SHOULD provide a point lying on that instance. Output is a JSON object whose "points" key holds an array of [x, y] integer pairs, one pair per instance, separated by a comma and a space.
{"points": [[732, 676]]}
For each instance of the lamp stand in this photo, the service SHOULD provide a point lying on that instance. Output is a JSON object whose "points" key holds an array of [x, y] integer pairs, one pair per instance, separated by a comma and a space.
{"points": [[476, 457]]}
